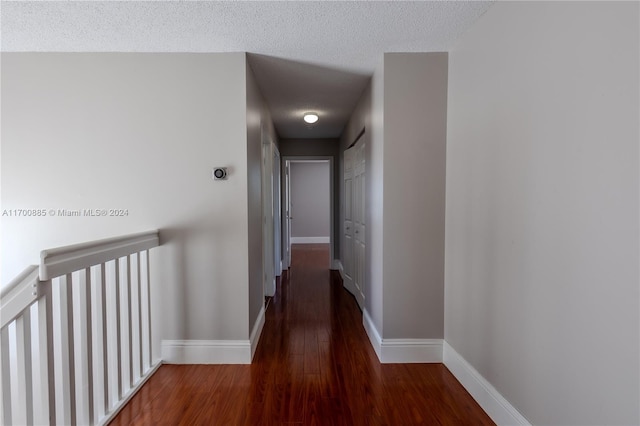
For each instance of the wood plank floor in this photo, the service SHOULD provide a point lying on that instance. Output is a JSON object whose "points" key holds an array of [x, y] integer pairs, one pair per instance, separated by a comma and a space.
{"points": [[314, 366]]}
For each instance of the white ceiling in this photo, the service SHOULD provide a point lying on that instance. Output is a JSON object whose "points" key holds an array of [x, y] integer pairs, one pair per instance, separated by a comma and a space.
{"points": [[306, 55]]}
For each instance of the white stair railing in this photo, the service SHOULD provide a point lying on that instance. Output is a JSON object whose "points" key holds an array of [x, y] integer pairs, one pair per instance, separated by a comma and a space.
{"points": [[76, 340]]}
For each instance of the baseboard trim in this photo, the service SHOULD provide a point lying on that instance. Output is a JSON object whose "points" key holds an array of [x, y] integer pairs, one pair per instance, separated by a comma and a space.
{"points": [[336, 265], [408, 351], [402, 351], [214, 351], [256, 332], [310, 240], [372, 332], [491, 401], [206, 351]]}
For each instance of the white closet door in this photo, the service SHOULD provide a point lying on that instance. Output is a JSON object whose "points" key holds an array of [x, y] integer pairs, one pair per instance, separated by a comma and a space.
{"points": [[359, 221], [348, 221]]}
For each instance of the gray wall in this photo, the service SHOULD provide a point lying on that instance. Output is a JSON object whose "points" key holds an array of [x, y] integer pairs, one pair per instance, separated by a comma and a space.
{"points": [[403, 113], [258, 123], [310, 199], [140, 132], [542, 293], [415, 128]]}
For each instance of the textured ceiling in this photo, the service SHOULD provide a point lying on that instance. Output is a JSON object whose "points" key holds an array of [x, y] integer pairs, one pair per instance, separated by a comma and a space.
{"points": [[306, 55]]}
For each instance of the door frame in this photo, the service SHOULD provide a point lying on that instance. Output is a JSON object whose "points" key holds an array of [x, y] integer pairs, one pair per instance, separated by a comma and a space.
{"points": [[268, 213], [277, 210], [293, 158]]}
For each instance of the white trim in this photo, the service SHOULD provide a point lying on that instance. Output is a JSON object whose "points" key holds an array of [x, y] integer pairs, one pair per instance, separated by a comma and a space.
{"points": [[21, 293], [407, 351], [402, 351], [491, 401], [206, 351], [310, 240], [130, 394], [63, 260], [336, 265], [257, 331], [214, 351], [372, 332]]}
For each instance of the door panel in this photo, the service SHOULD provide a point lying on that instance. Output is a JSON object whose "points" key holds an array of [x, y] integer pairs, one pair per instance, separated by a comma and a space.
{"points": [[348, 194], [359, 221], [268, 271], [348, 255], [287, 215], [277, 213]]}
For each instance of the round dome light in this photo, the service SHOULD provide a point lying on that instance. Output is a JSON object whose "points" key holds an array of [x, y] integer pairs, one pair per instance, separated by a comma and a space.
{"points": [[311, 117]]}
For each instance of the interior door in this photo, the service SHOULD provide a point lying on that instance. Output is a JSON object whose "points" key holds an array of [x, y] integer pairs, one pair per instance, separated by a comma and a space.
{"points": [[287, 215], [269, 278], [348, 230], [277, 214], [359, 236]]}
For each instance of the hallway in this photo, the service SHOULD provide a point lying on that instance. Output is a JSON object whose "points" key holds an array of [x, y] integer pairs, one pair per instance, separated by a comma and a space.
{"points": [[314, 365]]}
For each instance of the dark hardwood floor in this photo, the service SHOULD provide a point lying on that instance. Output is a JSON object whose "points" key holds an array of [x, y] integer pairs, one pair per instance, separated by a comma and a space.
{"points": [[314, 366]]}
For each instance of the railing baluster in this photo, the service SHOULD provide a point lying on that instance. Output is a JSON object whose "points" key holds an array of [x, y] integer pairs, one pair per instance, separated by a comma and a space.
{"points": [[87, 342], [129, 322], [148, 279], [71, 342], [23, 371], [140, 340], [118, 331], [105, 344], [67, 379], [7, 417], [45, 347]]}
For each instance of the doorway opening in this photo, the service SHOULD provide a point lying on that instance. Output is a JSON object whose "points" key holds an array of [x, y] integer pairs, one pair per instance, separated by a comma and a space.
{"points": [[272, 217], [307, 204]]}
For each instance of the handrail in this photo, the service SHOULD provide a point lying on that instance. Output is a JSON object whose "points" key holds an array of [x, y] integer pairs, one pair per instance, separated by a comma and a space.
{"points": [[102, 292], [20, 293], [63, 260], [16, 281]]}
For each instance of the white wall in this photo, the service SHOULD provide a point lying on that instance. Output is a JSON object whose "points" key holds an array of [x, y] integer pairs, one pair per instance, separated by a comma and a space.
{"points": [[542, 215], [403, 113], [374, 196], [258, 121], [310, 199], [415, 128], [140, 132]]}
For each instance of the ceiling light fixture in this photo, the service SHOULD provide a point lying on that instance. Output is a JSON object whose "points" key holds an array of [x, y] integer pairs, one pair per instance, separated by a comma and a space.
{"points": [[310, 117]]}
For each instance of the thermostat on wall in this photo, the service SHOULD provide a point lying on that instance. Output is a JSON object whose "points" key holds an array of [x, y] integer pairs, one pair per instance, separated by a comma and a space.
{"points": [[220, 173]]}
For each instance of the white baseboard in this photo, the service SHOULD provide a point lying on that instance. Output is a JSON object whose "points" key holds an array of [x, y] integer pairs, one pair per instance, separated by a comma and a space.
{"points": [[402, 351], [310, 240], [214, 351], [257, 331], [372, 332], [206, 351], [340, 268], [336, 265], [407, 351], [491, 401]]}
